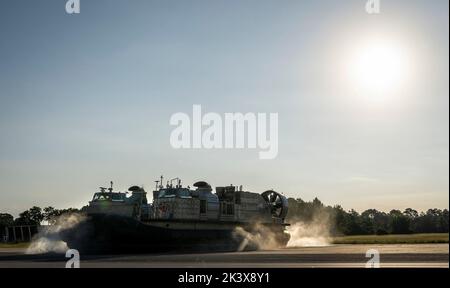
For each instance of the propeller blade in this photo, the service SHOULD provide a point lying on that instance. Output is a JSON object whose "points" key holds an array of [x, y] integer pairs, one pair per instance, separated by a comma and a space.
{"points": [[278, 205]]}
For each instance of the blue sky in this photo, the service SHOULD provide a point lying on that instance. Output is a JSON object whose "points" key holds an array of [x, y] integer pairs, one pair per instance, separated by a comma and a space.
{"points": [[85, 99]]}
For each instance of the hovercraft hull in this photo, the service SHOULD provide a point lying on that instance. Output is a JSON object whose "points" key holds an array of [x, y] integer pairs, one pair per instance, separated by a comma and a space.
{"points": [[113, 233]]}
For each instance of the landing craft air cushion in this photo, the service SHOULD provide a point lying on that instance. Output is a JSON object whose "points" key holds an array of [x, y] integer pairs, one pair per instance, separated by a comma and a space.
{"points": [[180, 218]]}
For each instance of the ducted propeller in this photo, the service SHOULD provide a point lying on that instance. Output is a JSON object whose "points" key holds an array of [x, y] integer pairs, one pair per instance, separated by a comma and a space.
{"points": [[277, 202]]}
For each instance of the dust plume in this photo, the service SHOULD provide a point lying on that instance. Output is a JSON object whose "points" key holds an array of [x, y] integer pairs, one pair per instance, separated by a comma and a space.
{"points": [[49, 239], [313, 233], [259, 237], [308, 235]]}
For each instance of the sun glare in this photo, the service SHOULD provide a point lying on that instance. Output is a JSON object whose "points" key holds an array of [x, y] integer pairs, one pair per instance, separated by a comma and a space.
{"points": [[378, 70]]}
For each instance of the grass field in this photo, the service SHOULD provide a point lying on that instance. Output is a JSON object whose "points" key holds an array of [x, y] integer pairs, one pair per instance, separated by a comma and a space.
{"points": [[18, 245], [393, 239]]}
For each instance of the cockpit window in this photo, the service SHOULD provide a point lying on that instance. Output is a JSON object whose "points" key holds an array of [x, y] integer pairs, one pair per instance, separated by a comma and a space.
{"points": [[172, 192], [167, 193], [108, 197], [184, 193], [117, 197], [101, 197]]}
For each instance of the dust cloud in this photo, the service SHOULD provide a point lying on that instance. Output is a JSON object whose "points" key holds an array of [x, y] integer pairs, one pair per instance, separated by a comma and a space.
{"points": [[260, 238], [308, 235], [314, 233], [49, 239]]}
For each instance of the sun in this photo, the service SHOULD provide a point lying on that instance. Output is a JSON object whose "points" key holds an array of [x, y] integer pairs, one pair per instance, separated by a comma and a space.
{"points": [[378, 70]]}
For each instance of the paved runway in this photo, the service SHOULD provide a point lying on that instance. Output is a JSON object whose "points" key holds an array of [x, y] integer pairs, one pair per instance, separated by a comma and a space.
{"points": [[421, 255]]}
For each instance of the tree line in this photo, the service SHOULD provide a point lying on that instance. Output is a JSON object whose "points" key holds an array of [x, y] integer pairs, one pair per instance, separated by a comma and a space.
{"points": [[34, 216], [369, 222], [339, 221]]}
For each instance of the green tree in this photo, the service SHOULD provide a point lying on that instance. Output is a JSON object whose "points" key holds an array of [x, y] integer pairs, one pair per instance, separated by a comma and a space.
{"points": [[6, 220], [399, 223], [32, 216]]}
